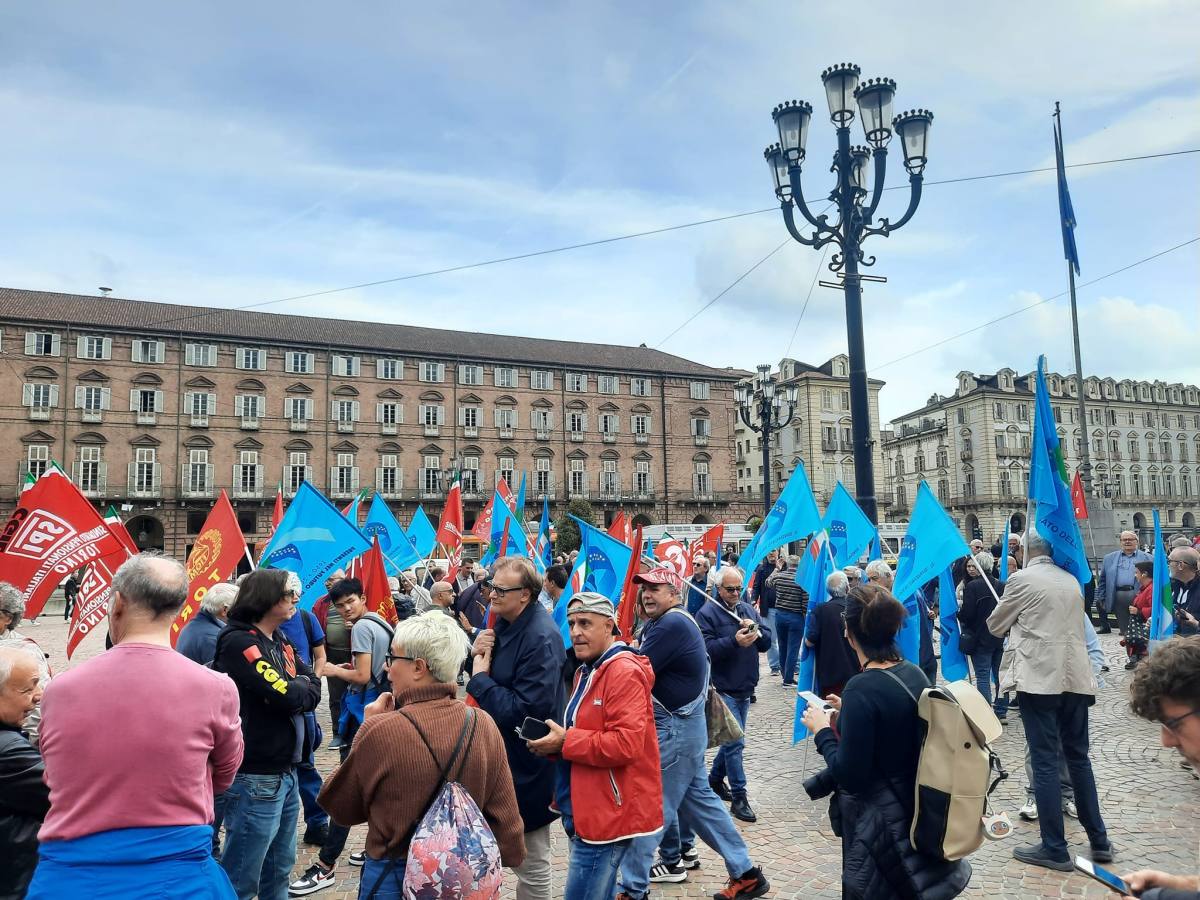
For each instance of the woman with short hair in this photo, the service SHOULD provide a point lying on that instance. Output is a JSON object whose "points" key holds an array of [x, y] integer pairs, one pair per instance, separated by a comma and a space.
{"points": [[407, 737], [873, 759]]}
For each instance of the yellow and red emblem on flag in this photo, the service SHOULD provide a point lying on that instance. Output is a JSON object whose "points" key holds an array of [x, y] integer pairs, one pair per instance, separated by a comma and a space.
{"points": [[214, 557], [376, 590]]}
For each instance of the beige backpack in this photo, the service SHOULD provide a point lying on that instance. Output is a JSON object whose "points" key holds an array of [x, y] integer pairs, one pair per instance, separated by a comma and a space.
{"points": [[954, 775]]}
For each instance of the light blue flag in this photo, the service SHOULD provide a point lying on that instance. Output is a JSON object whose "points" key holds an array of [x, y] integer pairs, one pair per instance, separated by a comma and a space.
{"points": [[600, 567], [1004, 551], [542, 557], [398, 551], [930, 545], [1162, 607], [793, 517], [312, 540], [518, 542], [1050, 506], [954, 663], [421, 533], [521, 500], [850, 531], [874, 554], [818, 564]]}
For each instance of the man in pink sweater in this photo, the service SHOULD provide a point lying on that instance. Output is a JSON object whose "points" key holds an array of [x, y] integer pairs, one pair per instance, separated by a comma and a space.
{"points": [[136, 741]]}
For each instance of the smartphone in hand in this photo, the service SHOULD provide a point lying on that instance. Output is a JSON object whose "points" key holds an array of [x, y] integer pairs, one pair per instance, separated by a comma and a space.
{"points": [[533, 729], [1110, 880], [813, 700]]}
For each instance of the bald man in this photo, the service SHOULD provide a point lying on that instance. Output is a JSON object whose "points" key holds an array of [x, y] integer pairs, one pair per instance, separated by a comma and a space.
{"points": [[1117, 585], [25, 798]]}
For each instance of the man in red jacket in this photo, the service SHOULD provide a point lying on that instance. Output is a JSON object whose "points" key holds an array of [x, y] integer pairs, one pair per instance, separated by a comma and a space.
{"points": [[609, 787]]}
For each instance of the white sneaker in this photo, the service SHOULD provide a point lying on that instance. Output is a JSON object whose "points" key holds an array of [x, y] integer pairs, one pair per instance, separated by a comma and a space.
{"points": [[661, 872], [1028, 812], [1071, 809], [358, 858], [314, 879]]}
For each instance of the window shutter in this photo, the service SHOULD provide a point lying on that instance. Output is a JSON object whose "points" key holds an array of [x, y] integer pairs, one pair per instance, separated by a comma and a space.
{"points": [[78, 397], [106, 350], [160, 354], [55, 345], [378, 412], [211, 408], [239, 405], [54, 395], [133, 400], [496, 415], [106, 398], [441, 374], [533, 418], [187, 403], [135, 351], [80, 347], [421, 412], [27, 395], [238, 359], [462, 415], [356, 366], [354, 407], [379, 368], [333, 407], [288, 406], [441, 410], [189, 354], [158, 401], [585, 418], [30, 344]]}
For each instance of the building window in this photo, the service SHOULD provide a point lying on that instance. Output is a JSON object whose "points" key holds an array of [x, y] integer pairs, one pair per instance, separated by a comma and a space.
{"points": [[433, 372], [389, 415], [542, 480], [1022, 412], [40, 397], [540, 380], [639, 387], [343, 480], [700, 480], [432, 415], [90, 473], [200, 354], [1006, 489], [248, 408], [470, 374], [829, 438], [960, 416], [299, 363], [250, 358], [504, 377], [610, 482], [247, 474], [901, 496], [431, 475], [700, 428], [42, 343], [576, 383], [577, 478], [542, 421], [609, 424], [999, 413], [942, 458], [919, 463], [199, 406], [198, 480], [469, 475], [826, 399], [899, 465], [37, 459], [296, 472], [943, 491], [506, 418], [698, 390], [641, 477], [346, 366], [1000, 442], [144, 351], [143, 479], [640, 424], [468, 417], [389, 369], [389, 479], [606, 384], [297, 410], [576, 422], [969, 485], [94, 348], [506, 469], [345, 412]]}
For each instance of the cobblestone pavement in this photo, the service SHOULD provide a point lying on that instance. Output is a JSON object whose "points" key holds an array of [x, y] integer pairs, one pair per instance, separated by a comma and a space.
{"points": [[1151, 805]]}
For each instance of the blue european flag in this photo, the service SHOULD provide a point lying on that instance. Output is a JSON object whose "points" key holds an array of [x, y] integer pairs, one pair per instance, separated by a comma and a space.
{"points": [[1162, 607], [793, 517], [601, 567], [312, 540], [850, 531], [398, 551], [1066, 211], [930, 545], [504, 519], [421, 533], [1050, 506], [954, 663]]}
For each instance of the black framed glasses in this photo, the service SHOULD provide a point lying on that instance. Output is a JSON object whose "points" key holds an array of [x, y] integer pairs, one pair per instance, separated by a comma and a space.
{"points": [[503, 591], [390, 658], [733, 589], [1173, 724]]}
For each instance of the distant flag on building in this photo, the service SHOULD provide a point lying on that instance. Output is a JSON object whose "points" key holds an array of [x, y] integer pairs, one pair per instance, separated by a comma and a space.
{"points": [[1066, 211], [1078, 498], [1162, 604], [1050, 509], [793, 517]]}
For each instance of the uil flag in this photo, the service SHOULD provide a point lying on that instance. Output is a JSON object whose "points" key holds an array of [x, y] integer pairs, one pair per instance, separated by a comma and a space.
{"points": [[711, 541], [850, 531], [374, 577], [1078, 499], [931, 544], [398, 551], [1004, 551], [421, 534], [954, 662], [542, 557], [793, 517], [54, 531], [95, 590], [602, 565], [483, 525], [350, 511], [313, 540], [1162, 604], [214, 557], [1050, 507]]}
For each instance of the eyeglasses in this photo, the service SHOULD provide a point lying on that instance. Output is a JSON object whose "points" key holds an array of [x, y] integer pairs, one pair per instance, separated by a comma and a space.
{"points": [[389, 658], [735, 588], [1173, 724], [502, 591]]}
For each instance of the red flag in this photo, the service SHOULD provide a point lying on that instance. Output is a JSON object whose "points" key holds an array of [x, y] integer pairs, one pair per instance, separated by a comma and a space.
{"points": [[376, 591], [214, 557], [619, 528], [483, 525], [95, 588], [671, 554], [711, 540], [627, 608], [1078, 500], [449, 533], [40, 548], [277, 513]]}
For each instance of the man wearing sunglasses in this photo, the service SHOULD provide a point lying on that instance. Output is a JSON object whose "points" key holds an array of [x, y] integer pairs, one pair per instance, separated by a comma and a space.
{"points": [[1166, 690], [516, 671]]}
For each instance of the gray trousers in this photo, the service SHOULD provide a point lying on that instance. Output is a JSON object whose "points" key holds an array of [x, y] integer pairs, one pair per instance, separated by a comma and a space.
{"points": [[534, 880]]}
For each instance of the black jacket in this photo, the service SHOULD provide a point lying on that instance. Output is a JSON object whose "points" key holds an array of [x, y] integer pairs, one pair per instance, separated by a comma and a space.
{"points": [[273, 702], [977, 605], [24, 802], [472, 604], [734, 669], [527, 663], [763, 593], [836, 661]]}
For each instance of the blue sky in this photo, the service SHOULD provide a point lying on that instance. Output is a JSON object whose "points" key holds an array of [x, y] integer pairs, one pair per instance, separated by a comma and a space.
{"points": [[229, 154]]}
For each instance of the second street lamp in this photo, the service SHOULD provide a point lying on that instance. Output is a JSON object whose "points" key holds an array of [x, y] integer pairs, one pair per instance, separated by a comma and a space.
{"points": [[760, 404], [856, 196]]}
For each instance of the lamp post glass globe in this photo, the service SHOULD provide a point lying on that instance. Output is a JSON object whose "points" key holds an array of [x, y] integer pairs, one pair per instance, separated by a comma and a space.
{"points": [[791, 120], [913, 130], [779, 171], [840, 82], [860, 168], [874, 98]]}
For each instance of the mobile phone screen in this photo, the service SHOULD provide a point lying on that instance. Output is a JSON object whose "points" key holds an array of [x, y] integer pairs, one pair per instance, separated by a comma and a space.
{"points": [[533, 729], [812, 699], [1109, 879]]}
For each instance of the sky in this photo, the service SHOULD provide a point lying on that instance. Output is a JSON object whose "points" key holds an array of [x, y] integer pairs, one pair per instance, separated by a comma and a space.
{"points": [[233, 154]]}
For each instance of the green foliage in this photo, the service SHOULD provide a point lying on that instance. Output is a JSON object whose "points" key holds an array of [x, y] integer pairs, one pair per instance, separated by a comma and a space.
{"points": [[754, 523], [567, 532]]}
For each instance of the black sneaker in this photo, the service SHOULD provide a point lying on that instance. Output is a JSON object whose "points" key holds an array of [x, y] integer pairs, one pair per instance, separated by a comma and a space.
{"points": [[666, 873], [740, 809], [315, 835], [358, 858], [689, 857], [753, 883], [720, 788], [315, 878], [1036, 855], [1131, 665], [1103, 854]]}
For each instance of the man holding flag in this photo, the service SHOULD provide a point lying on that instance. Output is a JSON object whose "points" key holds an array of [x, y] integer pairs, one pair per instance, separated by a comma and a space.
{"points": [[1183, 564]]}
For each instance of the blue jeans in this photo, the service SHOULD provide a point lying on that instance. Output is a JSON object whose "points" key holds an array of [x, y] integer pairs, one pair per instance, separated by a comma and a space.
{"points": [[592, 869], [986, 664], [773, 652], [687, 800], [260, 834], [789, 630], [335, 838], [1048, 719], [310, 785], [391, 882], [218, 818], [729, 758]]}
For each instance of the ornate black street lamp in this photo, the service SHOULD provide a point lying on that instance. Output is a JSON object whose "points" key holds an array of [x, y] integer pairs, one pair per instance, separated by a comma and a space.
{"points": [[764, 399], [855, 212]]}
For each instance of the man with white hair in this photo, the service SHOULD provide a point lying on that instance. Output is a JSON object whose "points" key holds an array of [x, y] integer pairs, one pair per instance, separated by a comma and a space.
{"points": [[836, 662], [1117, 586], [1047, 664], [24, 797], [198, 640], [880, 573]]}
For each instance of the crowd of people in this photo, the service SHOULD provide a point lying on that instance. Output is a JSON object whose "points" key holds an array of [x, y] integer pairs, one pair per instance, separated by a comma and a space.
{"points": [[605, 738]]}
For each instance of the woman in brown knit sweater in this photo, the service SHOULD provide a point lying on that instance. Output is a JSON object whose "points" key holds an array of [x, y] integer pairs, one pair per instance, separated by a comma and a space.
{"points": [[389, 778]]}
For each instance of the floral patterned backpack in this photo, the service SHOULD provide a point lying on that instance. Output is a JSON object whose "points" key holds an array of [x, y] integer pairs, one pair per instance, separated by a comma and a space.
{"points": [[452, 853]]}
